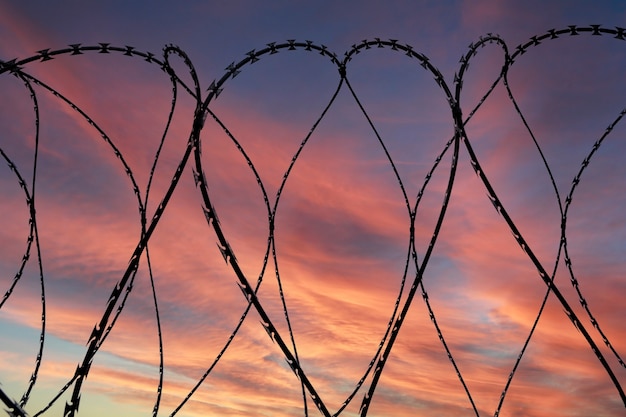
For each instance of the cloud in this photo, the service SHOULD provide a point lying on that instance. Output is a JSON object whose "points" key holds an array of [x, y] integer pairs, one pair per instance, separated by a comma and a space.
{"points": [[341, 241]]}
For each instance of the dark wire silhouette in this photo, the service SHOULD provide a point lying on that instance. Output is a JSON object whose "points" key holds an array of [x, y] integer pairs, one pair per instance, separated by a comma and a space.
{"points": [[192, 156]]}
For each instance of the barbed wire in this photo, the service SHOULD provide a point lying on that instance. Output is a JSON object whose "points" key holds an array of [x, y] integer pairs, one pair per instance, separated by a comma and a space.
{"points": [[192, 159]]}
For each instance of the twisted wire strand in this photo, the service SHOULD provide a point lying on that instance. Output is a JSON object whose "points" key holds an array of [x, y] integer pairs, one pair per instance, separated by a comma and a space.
{"points": [[197, 178], [273, 240], [100, 333], [82, 370], [15, 407], [29, 201], [33, 236], [144, 220], [568, 260]]}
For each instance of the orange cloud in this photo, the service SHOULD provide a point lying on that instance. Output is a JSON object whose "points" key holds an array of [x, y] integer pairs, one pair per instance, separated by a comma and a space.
{"points": [[341, 240]]}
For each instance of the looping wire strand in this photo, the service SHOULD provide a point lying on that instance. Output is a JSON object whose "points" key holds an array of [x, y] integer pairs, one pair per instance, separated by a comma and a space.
{"points": [[191, 160]]}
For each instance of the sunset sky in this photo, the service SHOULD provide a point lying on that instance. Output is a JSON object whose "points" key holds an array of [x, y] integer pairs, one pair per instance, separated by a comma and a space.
{"points": [[342, 222]]}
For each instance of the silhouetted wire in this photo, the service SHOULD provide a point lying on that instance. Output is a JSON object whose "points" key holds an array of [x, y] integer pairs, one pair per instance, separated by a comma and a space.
{"points": [[15, 408], [32, 236], [272, 238], [198, 178], [558, 255], [82, 371], [459, 81], [144, 220], [412, 214], [411, 249], [211, 214], [42, 334], [99, 334], [573, 30], [420, 270], [375, 358], [124, 286], [29, 201], [595, 30], [568, 260], [223, 244]]}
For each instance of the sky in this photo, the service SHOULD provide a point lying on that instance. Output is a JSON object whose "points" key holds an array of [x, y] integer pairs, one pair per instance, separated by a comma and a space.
{"points": [[449, 307]]}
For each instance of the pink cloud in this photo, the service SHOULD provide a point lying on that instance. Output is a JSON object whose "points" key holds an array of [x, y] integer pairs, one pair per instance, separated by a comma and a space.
{"points": [[339, 304]]}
